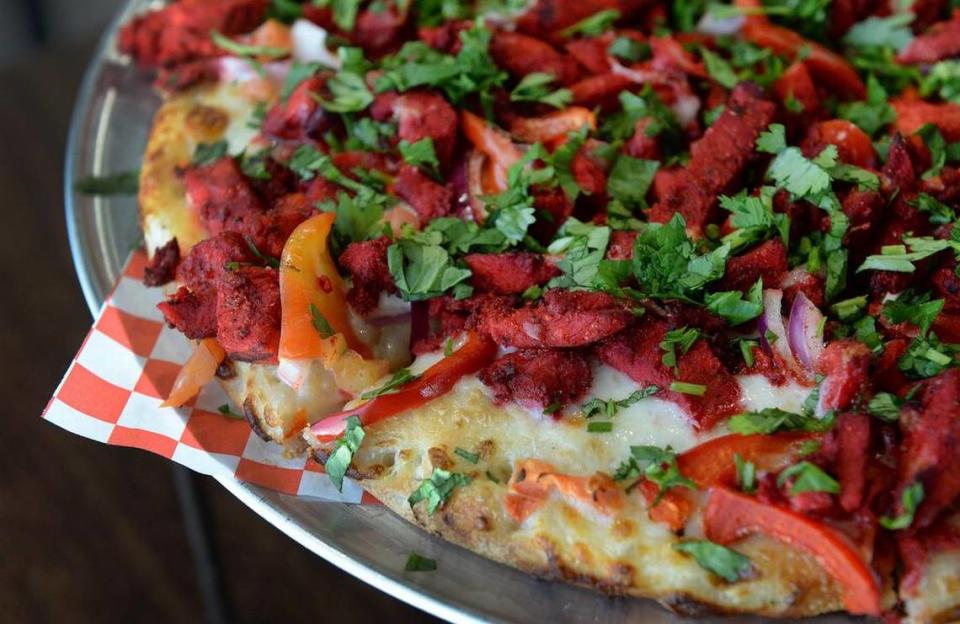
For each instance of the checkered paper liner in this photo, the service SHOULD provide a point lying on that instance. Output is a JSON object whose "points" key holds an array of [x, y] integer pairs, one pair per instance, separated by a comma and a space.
{"points": [[125, 368]]}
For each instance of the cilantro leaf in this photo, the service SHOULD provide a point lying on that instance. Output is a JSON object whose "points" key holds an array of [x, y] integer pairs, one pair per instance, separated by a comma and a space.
{"points": [[320, 322], [884, 32], [473, 458], [808, 477], [910, 500], [655, 464], [423, 271], [773, 140], [344, 11], [534, 88], [772, 419], [124, 183], [247, 51], [800, 176], [609, 407], [943, 79], [725, 562], [629, 49], [719, 69], [746, 474], [593, 25], [753, 219], [438, 488], [343, 450], [421, 154], [939, 212], [206, 153], [630, 179], [734, 307], [683, 338], [349, 93], [299, 72], [914, 308], [666, 264], [400, 378], [874, 113], [885, 406], [418, 563]]}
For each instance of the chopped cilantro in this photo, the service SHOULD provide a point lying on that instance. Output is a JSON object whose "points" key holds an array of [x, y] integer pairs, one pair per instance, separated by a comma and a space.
{"points": [[229, 413], [944, 80], [746, 474], [349, 93], [320, 323], [344, 11], [885, 406], [399, 378], [872, 114], [247, 51], [654, 464], [206, 153], [684, 338], [609, 407], [939, 212], [534, 87], [884, 32], [343, 450], [910, 500], [772, 419], [421, 154], [473, 458], [808, 477], [914, 308], [734, 307], [666, 264], [358, 216], [124, 183], [471, 71], [719, 69], [594, 426], [630, 179], [299, 72], [422, 269], [688, 388], [438, 488], [418, 563], [593, 25], [629, 49], [753, 219], [725, 562]]}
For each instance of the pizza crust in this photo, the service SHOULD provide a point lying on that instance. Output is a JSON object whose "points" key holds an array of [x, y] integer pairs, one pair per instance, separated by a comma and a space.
{"points": [[624, 555]]}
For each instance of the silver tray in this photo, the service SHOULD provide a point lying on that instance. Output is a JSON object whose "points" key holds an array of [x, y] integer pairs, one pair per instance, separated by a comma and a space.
{"points": [[108, 135]]}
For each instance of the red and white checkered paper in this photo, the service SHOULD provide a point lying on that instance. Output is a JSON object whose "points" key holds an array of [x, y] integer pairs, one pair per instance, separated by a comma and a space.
{"points": [[126, 366]]}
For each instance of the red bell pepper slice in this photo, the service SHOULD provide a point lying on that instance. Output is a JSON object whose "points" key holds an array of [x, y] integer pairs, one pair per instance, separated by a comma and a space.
{"points": [[827, 66], [730, 516], [439, 379]]}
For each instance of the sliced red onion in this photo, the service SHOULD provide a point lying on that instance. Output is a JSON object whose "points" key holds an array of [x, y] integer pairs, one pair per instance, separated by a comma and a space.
{"points": [[711, 25], [640, 76], [803, 331], [241, 70], [772, 321], [393, 319], [310, 44]]}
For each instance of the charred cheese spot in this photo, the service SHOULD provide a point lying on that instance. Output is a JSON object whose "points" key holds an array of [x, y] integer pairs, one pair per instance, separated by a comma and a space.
{"points": [[206, 123], [439, 458]]}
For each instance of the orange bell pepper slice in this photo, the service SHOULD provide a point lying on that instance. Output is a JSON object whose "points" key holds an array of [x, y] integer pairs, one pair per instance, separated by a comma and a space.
{"points": [[197, 372], [730, 516], [533, 480], [553, 126], [439, 379], [711, 464], [493, 143], [312, 299]]}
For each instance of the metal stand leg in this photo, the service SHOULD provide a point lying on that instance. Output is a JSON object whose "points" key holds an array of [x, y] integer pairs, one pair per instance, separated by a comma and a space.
{"points": [[198, 535]]}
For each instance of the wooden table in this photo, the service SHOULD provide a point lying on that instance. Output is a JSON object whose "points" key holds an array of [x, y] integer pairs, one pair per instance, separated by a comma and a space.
{"points": [[90, 532]]}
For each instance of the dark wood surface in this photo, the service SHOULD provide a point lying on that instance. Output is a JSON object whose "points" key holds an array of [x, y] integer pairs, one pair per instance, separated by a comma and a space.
{"points": [[91, 533]]}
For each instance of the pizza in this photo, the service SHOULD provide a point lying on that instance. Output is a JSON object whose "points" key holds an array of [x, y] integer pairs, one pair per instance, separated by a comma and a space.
{"points": [[658, 298]]}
